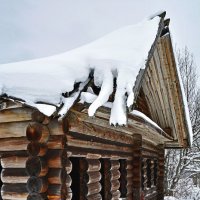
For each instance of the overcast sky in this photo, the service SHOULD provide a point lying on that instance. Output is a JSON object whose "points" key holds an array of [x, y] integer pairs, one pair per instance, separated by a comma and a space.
{"points": [[37, 28]]}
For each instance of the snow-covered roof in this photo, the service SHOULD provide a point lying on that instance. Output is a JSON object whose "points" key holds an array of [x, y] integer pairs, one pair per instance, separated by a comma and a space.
{"points": [[51, 80], [54, 84]]}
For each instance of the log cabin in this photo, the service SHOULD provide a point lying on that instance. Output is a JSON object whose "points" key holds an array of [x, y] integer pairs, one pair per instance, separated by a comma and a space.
{"points": [[46, 154]]}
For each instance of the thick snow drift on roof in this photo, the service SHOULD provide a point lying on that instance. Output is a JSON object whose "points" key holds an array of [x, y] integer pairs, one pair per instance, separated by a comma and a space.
{"points": [[119, 54]]}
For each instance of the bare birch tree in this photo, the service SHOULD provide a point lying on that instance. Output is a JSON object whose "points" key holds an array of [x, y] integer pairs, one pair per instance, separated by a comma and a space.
{"points": [[180, 164]]}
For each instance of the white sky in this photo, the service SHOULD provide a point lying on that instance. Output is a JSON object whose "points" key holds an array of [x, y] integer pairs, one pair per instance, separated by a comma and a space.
{"points": [[38, 28]]}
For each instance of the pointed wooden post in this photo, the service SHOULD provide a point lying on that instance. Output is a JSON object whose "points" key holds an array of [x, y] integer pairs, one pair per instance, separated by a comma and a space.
{"points": [[161, 167], [137, 165]]}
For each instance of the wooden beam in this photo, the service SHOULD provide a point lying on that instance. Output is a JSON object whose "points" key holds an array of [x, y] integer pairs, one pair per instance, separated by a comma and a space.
{"points": [[160, 184], [137, 165]]}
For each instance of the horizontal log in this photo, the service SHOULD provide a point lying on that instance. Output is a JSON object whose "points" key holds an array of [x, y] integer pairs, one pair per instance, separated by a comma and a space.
{"points": [[13, 129], [37, 132], [77, 123], [95, 145], [39, 117], [57, 158], [37, 149], [14, 191], [14, 162], [94, 197], [37, 185], [5, 154], [14, 176], [15, 114], [18, 129], [87, 152], [13, 144], [92, 177], [92, 188], [90, 165], [36, 166]]}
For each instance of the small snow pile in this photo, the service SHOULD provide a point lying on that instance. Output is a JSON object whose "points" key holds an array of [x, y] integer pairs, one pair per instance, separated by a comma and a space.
{"points": [[119, 55]]}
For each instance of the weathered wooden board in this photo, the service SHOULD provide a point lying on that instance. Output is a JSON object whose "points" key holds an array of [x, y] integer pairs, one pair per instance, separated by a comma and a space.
{"points": [[15, 115], [14, 162]]}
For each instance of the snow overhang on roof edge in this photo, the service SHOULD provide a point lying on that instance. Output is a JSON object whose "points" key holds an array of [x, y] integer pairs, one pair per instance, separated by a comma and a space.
{"points": [[40, 83]]}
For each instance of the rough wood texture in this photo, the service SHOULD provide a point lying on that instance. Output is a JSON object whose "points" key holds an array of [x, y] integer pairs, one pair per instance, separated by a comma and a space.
{"points": [[160, 185], [137, 165], [13, 144], [14, 162], [37, 149], [110, 176], [14, 191], [37, 132], [92, 177], [39, 117], [57, 158], [37, 185], [144, 174], [58, 192], [36, 196], [15, 115], [58, 176], [36, 166], [89, 178], [92, 188], [68, 166], [14, 175], [91, 165], [13, 129], [94, 197]]}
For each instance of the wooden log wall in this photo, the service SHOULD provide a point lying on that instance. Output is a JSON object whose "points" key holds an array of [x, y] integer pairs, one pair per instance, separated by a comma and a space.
{"points": [[137, 165], [60, 166], [109, 161], [13, 151], [38, 135]]}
